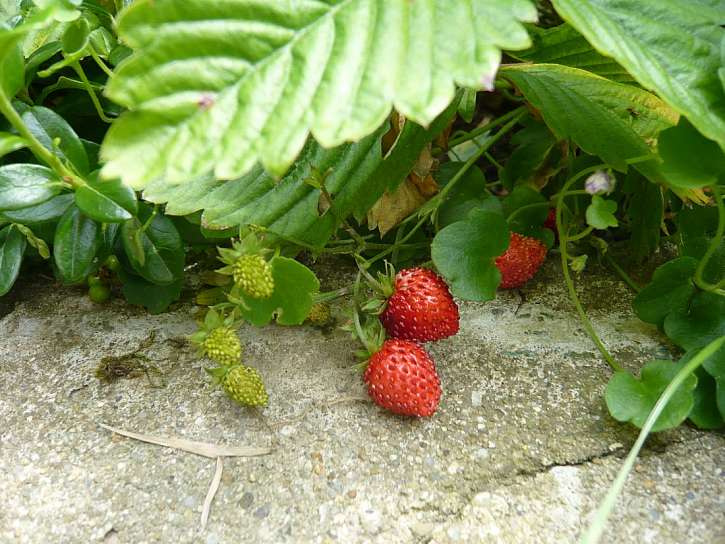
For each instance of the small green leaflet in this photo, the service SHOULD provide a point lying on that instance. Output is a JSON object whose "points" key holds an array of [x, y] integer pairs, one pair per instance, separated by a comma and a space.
{"points": [[256, 82], [464, 253], [630, 399], [294, 287], [600, 213]]}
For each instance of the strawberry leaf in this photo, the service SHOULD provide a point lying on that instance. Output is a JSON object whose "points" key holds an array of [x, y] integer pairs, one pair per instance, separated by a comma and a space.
{"points": [[294, 287], [464, 254], [631, 399], [671, 288], [255, 78], [600, 213]]}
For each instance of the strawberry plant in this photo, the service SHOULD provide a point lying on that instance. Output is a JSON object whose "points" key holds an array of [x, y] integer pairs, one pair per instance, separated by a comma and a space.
{"points": [[477, 138]]}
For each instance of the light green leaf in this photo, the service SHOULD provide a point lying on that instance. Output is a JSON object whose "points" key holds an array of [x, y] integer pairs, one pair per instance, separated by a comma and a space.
{"points": [[600, 213], [671, 47], [564, 45], [106, 201], [255, 77], [23, 185], [612, 120], [10, 142], [630, 399], [294, 286], [464, 253]]}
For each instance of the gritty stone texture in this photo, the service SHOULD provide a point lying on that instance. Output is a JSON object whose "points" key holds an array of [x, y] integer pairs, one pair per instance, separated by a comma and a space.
{"points": [[521, 450]]}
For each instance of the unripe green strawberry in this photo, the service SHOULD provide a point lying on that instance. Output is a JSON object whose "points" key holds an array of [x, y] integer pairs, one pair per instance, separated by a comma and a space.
{"points": [[99, 293], [244, 385], [320, 314], [222, 345], [253, 275]]}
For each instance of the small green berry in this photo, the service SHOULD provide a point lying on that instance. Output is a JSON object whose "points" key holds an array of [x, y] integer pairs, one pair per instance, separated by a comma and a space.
{"points": [[244, 385], [112, 263], [253, 275], [223, 346], [99, 293], [94, 280]]}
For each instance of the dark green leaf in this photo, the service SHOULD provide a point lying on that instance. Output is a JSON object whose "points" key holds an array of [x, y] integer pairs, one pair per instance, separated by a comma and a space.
{"points": [[12, 247], [294, 287], [611, 120], [534, 143], [673, 48], [645, 214], [671, 288], [715, 367], [23, 185], [155, 252], [155, 298], [468, 194], [630, 399], [705, 413], [689, 160], [56, 135], [48, 211], [525, 211], [106, 201], [600, 213], [76, 242], [698, 323], [464, 253], [564, 45]]}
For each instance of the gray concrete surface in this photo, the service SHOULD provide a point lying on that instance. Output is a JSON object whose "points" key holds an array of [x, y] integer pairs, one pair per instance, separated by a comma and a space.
{"points": [[521, 450]]}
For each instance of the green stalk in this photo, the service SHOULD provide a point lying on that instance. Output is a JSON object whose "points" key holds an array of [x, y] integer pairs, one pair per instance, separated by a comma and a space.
{"points": [[563, 241], [488, 126], [700, 281], [40, 152], [91, 92], [594, 533], [622, 274]]}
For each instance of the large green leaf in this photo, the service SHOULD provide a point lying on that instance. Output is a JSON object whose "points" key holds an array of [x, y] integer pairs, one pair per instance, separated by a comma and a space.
{"points": [[670, 46], [220, 86], [355, 175], [12, 247], [612, 120], [564, 45], [47, 212], [106, 201]]}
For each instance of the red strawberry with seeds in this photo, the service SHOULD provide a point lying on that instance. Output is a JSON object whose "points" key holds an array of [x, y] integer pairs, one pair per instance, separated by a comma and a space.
{"points": [[402, 378], [520, 261], [421, 307], [550, 223]]}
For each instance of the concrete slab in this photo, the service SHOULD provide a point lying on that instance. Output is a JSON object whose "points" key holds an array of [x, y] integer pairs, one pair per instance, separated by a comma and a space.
{"points": [[521, 450]]}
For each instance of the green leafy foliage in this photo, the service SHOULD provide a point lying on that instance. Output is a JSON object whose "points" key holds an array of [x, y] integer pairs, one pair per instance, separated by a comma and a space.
{"points": [[23, 185], [470, 193], [155, 298], [294, 287], [10, 142], [611, 120], [464, 253], [678, 145], [77, 239], [535, 142], [154, 247], [600, 213], [698, 323], [564, 45], [645, 213], [631, 399], [671, 288], [106, 201], [12, 247], [49, 211], [673, 48], [333, 68]]}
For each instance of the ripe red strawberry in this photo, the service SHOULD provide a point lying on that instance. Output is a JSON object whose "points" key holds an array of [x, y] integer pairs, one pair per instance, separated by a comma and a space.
{"points": [[521, 261], [402, 378], [550, 223], [421, 307]]}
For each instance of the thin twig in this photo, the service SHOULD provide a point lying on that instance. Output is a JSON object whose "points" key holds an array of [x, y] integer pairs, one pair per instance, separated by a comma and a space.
{"points": [[213, 488], [204, 449]]}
